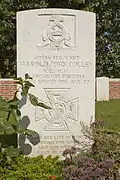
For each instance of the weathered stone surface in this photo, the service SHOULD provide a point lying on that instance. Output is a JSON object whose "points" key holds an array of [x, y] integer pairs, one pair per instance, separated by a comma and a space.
{"points": [[102, 84], [57, 48]]}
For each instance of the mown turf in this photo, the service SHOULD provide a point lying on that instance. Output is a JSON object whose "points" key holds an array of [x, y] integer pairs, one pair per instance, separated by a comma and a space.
{"points": [[105, 110], [110, 112]]}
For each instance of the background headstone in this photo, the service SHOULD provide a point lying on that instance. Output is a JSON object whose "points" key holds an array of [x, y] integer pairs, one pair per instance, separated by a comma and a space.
{"points": [[57, 48], [102, 87]]}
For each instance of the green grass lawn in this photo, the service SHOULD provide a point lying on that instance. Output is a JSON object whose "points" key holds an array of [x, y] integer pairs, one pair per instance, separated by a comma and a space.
{"points": [[110, 112], [107, 110]]}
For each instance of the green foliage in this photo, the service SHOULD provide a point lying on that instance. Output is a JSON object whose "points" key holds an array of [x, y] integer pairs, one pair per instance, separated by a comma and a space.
{"points": [[108, 36], [86, 168], [37, 168], [11, 116], [72, 4], [102, 160], [8, 9], [106, 142]]}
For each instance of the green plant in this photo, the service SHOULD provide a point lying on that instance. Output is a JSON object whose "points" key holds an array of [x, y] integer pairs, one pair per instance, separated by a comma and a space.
{"points": [[100, 162], [86, 168], [36, 168], [11, 116]]}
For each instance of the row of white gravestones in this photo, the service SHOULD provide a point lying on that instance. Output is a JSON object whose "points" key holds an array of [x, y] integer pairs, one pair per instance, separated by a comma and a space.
{"points": [[57, 48]]}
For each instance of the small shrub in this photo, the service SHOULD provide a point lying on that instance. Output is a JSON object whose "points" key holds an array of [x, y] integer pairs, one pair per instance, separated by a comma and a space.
{"points": [[84, 167], [100, 162], [36, 168], [10, 117]]}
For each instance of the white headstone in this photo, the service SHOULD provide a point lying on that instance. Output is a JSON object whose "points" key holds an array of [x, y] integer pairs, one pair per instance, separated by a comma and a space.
{"points": [[57, 48], [102, 88]]}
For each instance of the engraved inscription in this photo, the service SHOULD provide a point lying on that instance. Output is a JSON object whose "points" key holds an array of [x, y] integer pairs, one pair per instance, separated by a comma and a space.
{"points": [[62, 110], [59, 69], [56, 144], [56, 36]]}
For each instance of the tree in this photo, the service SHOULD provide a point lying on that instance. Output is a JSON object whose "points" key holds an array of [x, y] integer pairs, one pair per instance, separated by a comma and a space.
{"points": [[8, 9], [72, 4], [108, 36]]}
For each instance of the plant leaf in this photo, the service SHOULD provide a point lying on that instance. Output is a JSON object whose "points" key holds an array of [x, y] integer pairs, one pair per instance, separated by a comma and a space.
{"points": [[1, 98], [25, 131], [29, 132], [19, 82], [18, 79], [6, 109], [14, 102], [33, 99], [27, 76], [5, 127], [18, 112], [14, 119], [29, 84], [43, 105], [25, 90], [11, 151]]}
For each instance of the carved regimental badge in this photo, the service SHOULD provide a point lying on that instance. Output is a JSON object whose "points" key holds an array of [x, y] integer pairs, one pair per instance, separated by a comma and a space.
{"points": [[56, 36]]}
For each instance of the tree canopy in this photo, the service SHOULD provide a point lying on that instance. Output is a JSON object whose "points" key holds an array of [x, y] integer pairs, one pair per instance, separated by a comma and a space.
{"points": [[107, 31], [107, 36], [8, 9]]}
